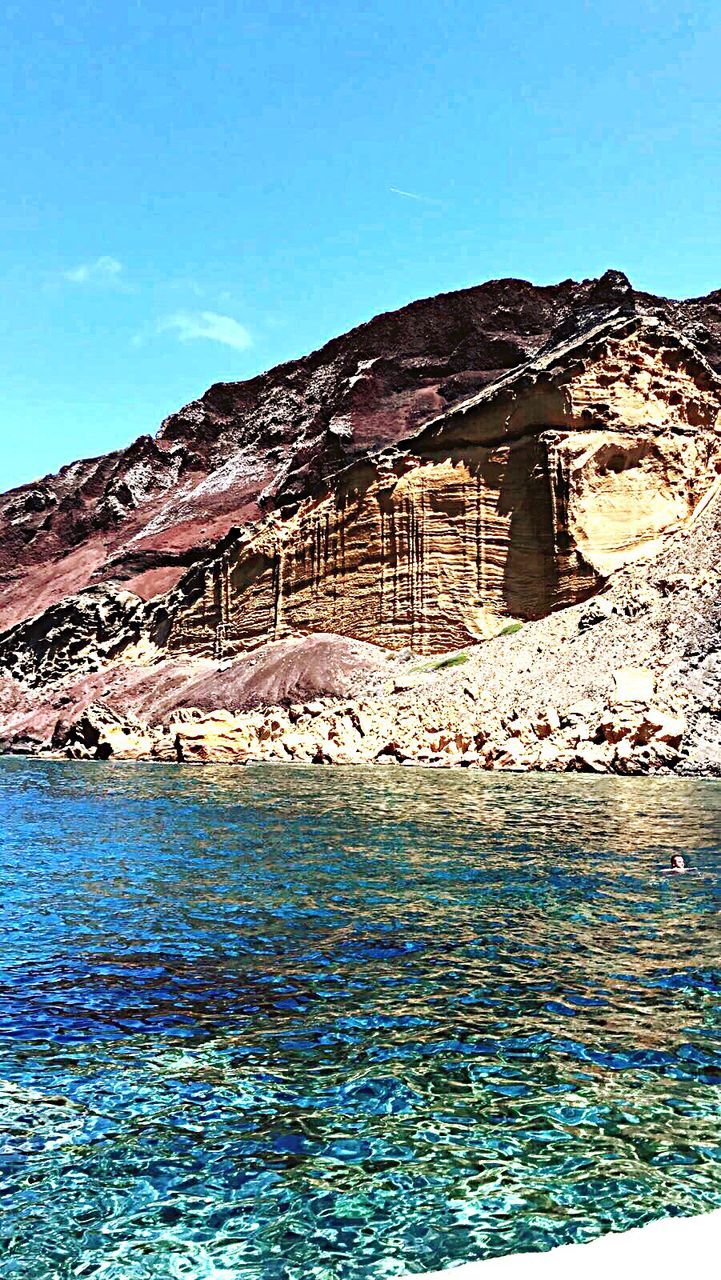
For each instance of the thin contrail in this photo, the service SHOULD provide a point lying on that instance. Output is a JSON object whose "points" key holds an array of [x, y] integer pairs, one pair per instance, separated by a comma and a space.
{"points": [[412, 195]]}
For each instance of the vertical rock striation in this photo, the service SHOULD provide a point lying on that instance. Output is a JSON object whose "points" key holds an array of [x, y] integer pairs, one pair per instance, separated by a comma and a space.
{"points": [[518, 502]]}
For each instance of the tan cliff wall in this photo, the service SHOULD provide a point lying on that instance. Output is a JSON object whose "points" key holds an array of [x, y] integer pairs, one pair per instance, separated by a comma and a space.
{"points": [[515, 504], [426, 558]]}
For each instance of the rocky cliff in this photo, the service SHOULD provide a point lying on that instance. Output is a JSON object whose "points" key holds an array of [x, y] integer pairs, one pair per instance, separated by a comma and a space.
{"points": [[519, 501], [423, 485]]}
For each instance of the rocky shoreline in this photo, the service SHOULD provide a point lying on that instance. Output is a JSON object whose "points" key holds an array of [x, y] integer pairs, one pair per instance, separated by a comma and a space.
{"points": [[628, 683], [632, 735], [624, 684]]}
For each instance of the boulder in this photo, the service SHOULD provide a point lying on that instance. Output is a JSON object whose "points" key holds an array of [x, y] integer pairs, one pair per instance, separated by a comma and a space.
{"points": [[592, 757], [615, 725], [630, 759], [633, 685], [299, 747], [584, 709], [163, 747], [622, 754], [579, 732], [548, 756], [511, 754], [519, 727], [547, 722], [219, 737], [599, 610], [103, 733], [660, 727]]}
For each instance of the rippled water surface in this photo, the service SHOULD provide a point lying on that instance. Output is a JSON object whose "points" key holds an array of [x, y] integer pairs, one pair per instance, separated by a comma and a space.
{"points": [[310, 1024]]}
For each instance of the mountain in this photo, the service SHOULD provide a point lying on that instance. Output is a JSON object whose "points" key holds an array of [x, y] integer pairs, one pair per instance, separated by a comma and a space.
{"points": [[419, 487]]}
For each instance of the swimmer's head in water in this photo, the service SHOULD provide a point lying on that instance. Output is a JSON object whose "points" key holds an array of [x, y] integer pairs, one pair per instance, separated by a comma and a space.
{"points": [[678, 862]]}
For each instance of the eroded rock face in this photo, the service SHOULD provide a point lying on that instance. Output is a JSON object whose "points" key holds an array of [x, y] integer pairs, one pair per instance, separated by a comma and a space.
{"points": [[434, 479], [140, 517], [518, 502], [77, 635]]}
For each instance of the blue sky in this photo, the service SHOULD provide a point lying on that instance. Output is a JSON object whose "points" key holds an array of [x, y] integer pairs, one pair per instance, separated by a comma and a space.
{"points": [[194, 192]]}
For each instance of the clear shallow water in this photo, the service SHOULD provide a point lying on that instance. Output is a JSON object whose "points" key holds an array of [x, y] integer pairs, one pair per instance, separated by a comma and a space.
{"points": [[324, 1025]]}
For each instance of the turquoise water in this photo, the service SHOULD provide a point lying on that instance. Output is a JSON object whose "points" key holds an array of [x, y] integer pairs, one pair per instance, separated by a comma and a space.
{"points": [[314, 1024]]}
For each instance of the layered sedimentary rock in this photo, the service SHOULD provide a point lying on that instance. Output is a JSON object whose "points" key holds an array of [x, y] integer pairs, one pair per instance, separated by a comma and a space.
{"points": [[429, 482], [139, 517], [518, 502]]}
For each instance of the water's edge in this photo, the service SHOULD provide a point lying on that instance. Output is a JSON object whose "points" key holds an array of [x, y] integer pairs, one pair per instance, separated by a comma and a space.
{"points": [[665, 1249]]}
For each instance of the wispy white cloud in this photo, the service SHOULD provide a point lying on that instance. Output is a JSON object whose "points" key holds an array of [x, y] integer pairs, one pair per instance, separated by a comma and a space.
{"points": [[104, 270], [189, 325], [413, 195]]}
